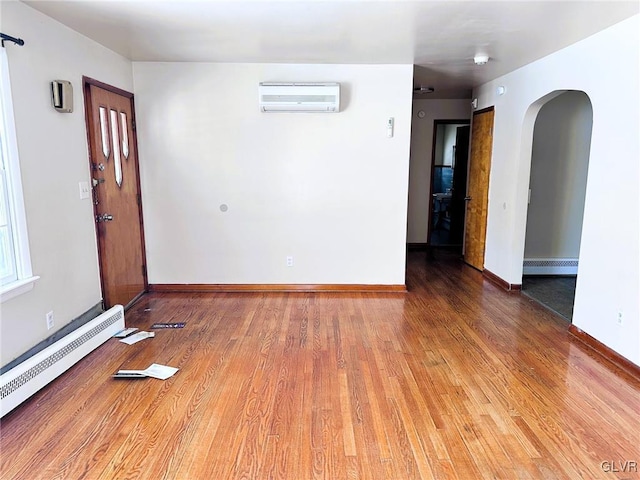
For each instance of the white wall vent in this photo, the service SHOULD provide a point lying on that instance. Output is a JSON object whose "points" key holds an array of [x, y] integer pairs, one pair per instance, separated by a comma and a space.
{"points": [[299, 97], [550, 266]]}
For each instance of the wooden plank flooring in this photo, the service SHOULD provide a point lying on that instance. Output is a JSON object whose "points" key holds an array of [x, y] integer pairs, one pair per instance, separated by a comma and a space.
{"points": [[456, 379]]}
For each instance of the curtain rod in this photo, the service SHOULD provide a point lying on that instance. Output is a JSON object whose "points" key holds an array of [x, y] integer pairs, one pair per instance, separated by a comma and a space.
{"points": [[17, 41]]}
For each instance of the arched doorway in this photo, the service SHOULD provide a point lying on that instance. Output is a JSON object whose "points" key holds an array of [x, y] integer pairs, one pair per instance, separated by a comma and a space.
{"points": [[557, 186]]}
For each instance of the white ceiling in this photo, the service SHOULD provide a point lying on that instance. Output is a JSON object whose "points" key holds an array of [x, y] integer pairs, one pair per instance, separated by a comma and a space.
{"points": [[440, 37]]}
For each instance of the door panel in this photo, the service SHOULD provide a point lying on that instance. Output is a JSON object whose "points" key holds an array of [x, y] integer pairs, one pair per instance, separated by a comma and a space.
{"points": [[459, 184], [116, 193], [478, 188]]}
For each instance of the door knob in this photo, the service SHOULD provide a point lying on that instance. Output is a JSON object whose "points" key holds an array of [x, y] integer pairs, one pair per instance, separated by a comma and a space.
{"points": [[105, 217]]}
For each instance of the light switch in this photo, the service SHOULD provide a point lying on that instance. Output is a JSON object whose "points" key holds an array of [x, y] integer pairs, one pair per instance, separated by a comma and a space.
{"points": [[85, 192]]}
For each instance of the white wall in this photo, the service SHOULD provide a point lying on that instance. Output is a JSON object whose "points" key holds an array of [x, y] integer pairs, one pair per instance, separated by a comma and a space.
{"points": [[605, 67], [53, 159], [421, 152], [559, 161], [328, 189]]}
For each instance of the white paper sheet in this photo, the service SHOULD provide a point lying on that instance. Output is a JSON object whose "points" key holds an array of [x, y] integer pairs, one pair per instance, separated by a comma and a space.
{"points": [[155, 370], [137, 337], [161, 372]]}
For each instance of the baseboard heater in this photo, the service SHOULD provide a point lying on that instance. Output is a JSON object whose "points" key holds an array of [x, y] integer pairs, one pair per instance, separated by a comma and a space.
{"points": [[25, 379], [550, 266]]}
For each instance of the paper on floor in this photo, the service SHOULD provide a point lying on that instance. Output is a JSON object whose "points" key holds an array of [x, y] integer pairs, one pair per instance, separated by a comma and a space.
{"points": [[161, 372], [137, 337], [155, 370]]}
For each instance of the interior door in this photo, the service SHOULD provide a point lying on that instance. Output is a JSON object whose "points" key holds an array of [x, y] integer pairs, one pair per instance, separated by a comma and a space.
{"points": [[113, 151], [461, 161], [477, 198]]}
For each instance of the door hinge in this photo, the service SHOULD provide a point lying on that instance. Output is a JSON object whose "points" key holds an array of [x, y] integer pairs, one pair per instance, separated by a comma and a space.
{"points": [[144, 270], [133, 124], [138, 199]]}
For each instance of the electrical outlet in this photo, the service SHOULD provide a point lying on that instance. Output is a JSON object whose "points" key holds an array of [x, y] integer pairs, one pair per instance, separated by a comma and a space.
{"points": [[50, 320], [289, 261], [619, 317]]}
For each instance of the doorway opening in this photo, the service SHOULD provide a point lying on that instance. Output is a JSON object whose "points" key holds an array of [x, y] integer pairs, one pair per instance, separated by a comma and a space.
{"points": [[557, 188], [448, 184]]}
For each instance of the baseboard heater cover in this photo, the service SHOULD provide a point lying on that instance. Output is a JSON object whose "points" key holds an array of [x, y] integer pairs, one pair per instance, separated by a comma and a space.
{"points": [[550, 266], [25, 379]]}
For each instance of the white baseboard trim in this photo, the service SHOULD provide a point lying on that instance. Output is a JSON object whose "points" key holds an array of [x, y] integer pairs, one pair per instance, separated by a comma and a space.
{"points": [[550, 266]]}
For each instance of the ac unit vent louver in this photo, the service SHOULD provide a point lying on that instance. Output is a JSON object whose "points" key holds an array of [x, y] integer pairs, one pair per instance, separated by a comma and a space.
{"points": [[299, 97]]}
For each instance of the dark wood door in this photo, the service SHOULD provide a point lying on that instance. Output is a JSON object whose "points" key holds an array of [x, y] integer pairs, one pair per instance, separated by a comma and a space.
{"points": [[477, 198], [116, 192], [459, 188]]}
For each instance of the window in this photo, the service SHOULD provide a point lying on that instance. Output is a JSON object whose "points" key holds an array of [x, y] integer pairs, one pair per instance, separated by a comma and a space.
{"points": [[15, 262], [8, 271]]}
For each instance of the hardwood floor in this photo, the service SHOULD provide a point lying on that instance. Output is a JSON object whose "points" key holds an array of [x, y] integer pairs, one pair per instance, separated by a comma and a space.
{"points": [[456, 379]]}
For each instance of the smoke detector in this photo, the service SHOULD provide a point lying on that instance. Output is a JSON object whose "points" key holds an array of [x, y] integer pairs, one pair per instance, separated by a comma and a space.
{"points": [[480, 59]]}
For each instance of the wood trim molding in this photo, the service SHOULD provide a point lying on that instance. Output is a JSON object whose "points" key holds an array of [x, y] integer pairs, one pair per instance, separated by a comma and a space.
{"points": [[496, 280], [105, 86], [234, 288], [417, 246], [607, 353]]}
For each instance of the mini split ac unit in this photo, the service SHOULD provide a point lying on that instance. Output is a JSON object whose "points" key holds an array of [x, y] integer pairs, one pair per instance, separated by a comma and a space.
{"points": [[299, 97]]}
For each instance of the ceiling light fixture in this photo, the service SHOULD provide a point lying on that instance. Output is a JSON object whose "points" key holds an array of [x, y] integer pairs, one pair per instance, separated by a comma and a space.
{"points": [[480, 59]]}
